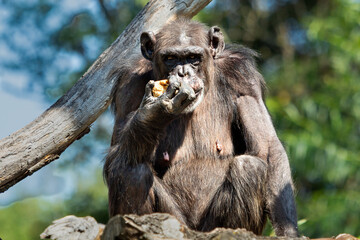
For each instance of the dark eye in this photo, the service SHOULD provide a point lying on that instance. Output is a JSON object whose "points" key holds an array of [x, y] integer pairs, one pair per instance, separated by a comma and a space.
{"points": [[194, 59], [170, 58]]}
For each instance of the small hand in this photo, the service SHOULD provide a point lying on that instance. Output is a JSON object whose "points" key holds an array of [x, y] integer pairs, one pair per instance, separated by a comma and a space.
{"points": [[171, 103]]}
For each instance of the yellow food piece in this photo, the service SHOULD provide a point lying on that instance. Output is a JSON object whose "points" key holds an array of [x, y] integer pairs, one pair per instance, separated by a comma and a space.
{"points": [[160, 87]]}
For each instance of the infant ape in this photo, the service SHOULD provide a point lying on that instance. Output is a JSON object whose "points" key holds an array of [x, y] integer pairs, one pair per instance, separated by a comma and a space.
{"points": [[205, 150]]}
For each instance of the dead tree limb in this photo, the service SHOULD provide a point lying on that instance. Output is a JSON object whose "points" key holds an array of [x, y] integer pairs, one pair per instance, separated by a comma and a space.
{"points": [[44, 139]]}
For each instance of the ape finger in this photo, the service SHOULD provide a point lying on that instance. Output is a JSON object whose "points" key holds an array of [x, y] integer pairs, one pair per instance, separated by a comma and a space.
{"points": [[185, 96], [173, 89], [148, 88]]}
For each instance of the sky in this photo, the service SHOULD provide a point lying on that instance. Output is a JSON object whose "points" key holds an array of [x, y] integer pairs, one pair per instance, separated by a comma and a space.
{"points": [[20, 105], [18, 111]]}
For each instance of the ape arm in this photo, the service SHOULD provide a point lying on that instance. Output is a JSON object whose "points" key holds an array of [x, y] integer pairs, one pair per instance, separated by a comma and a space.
{"points": [[262, 141], [128, 167]]}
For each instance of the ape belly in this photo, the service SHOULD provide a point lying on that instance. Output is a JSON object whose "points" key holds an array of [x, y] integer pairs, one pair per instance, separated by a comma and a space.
{"points": [[193, 184], [225, 192]]}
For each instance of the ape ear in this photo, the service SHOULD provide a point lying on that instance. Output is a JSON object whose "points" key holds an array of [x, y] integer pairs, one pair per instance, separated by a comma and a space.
{"points": [[216, 41], [147, 41]]}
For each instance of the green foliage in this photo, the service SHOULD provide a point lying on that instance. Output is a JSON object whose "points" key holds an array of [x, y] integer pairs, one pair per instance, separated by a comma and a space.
{"points": [[17, 220], [315, 104], [28, 218]]}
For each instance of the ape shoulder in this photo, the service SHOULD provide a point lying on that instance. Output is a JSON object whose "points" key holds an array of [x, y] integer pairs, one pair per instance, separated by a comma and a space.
{"points": [[236, 69], [240, 52]]}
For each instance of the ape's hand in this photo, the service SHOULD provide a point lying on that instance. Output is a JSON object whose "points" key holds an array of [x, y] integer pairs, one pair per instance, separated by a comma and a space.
{"points": [[172, 103]]}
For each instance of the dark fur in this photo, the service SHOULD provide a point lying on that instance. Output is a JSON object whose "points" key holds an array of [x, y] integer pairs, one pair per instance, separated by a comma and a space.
{"points": [[202, 186]]}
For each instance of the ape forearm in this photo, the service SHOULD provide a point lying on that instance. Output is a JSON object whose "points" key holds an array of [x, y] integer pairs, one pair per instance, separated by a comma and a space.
{"points": [[280, 193], [134, 145], [127, 168], [263, 142], [137, 139]]}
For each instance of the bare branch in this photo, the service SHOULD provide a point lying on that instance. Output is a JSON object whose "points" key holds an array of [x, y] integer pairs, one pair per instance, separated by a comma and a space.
{"points": [[44, 139]]}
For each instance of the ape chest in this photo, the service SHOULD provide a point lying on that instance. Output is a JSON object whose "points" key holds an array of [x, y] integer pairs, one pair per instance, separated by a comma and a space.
{"points": [[191, 143]]}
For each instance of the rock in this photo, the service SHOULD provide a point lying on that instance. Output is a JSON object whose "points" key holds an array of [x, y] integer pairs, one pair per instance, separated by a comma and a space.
{"points": [[165, 226], [72, 227], [147, 227], [345, 236]]}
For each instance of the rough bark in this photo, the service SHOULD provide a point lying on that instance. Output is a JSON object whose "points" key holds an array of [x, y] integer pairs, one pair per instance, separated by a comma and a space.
{"points": [[44, 139]]}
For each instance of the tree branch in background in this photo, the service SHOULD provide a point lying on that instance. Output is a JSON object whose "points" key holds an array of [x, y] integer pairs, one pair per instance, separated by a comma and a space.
{"points": [[44, 139], [106, 12]]}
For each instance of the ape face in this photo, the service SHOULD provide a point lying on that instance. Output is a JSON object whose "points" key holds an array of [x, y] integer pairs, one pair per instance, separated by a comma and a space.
{"points": [[184, 64], [184, 56]]}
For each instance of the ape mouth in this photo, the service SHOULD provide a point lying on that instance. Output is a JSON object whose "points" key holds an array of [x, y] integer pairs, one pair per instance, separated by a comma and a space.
{"points": [[198, 92], [199, 96]]}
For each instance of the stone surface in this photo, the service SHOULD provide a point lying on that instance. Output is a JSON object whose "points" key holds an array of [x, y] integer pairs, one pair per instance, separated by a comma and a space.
{"points": [[148, 227], [71, 227]]}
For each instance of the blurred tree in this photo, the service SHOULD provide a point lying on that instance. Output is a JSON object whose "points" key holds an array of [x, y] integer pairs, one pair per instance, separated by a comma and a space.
{"points": [[310, 59]]}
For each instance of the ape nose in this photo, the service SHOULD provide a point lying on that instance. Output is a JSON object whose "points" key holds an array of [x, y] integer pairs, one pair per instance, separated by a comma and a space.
{"points": [[181, 71]]}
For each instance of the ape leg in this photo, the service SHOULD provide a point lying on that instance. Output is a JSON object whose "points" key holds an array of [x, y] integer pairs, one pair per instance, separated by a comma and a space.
{"points": [[130, 189], [240, 200], [164, 202], [138, 191]]}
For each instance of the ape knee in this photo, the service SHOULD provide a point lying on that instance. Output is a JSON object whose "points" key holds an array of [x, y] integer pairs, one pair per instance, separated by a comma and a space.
{"points": [[240, 201], [250, 165]]}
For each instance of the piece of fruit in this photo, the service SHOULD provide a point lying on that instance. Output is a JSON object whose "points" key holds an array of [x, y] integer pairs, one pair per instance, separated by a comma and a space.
{"points": [[160, 87]]}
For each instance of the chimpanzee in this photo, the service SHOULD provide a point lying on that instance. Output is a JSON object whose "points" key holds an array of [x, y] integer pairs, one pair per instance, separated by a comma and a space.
{"points": [[205, 150]]}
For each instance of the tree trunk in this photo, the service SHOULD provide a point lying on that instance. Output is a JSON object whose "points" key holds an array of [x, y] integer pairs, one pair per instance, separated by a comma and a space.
{"points": [[44, 139]]}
